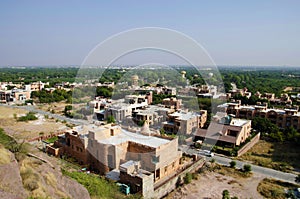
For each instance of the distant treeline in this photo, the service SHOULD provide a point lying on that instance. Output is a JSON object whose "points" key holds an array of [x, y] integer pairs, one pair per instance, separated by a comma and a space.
{"points": [[260, 79]]}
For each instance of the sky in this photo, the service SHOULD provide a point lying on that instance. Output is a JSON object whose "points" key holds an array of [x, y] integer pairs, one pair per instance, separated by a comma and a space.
{"points": [[257, 32]]}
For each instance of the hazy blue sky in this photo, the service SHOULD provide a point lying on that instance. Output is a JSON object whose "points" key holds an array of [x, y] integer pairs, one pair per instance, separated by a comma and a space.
{"points": [[60, 32]]}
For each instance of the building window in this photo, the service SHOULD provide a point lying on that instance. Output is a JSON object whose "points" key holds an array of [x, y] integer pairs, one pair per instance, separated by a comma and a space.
{"points": [[155, 159], [110, 161]]}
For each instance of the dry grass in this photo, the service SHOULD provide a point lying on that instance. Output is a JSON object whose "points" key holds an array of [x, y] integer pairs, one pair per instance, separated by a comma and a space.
{"points": [[7, 112], [59, 107], [31, 179], [260, 154], [27, 130], [51, 179], [280, 156], [4, 156], [235, 173], [270, 188]]}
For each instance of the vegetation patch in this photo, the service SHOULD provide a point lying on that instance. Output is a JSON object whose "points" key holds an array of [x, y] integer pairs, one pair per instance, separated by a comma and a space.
{"points": [[97, 186], [28, 117], [270, 188], [235, 173], [280, 156], [4, 156], [52, 140], [5, 140]]}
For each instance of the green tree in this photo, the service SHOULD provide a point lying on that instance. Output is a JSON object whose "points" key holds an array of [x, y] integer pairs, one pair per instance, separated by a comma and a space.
{"points": [[232, 164], [247, 168], [188, 178], [162, 131], [111, 119]]}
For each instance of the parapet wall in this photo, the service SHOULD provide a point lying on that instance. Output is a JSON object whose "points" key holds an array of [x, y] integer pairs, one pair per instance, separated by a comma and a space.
{"points": [[249, 145], [171, 184]]}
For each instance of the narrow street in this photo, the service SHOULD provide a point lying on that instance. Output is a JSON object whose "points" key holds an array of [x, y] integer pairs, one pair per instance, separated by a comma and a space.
{"points": [[288, 177]]}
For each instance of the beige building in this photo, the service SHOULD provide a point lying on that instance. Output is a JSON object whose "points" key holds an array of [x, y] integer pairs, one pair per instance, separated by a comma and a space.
{"points": [[20, 95], [122, 109], [153, 115], [37, 86], [288, 117], [226, 131], [172, 103], [14, 95], [105, 148], [112, 146], [185, 122]]}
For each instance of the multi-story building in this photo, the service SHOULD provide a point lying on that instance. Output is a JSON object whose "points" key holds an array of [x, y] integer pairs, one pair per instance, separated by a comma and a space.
{"points": [[105, 148], [37, 86], [226, 131], [288, 117], [242, 92], [122, 109], [185, 122], [172, 103], [20, 94], [14, 95], [5, 96], [153, 115]]}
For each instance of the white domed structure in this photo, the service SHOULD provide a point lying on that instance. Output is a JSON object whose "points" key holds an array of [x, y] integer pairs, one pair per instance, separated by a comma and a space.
{"points": [[183, 74], [135, 80]]}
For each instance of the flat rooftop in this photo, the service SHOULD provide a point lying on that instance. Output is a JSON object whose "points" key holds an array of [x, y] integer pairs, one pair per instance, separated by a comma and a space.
{"points": [[151, 109], [238, 122], [126, 136], [184, 116]]}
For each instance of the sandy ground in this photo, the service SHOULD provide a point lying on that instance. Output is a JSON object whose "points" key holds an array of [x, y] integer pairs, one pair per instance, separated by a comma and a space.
{"points": [[30, 129], [6, 112], [211, 185], [59, 107]]}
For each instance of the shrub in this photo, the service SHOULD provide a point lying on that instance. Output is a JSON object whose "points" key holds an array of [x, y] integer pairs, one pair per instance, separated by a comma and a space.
{"points": [[225, 194], [232, 164], [188, 178], [29, 116], [247, 168], [111, 119]]}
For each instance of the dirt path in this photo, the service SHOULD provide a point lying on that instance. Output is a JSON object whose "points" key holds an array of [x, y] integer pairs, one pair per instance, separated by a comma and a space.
{"points": [[211, 185]]}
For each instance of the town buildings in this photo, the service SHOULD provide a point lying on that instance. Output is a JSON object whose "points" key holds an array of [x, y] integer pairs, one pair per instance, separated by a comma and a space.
{"points": [[283, 118]]}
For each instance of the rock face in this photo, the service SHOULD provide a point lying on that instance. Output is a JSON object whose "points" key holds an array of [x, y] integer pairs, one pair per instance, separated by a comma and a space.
{"points": [[51, 182], [76, 191], [11, 185], [40, 179]]}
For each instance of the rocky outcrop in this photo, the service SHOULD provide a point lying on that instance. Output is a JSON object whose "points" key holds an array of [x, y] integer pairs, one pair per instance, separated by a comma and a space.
{"points": [[34, 177], [11, 186]]}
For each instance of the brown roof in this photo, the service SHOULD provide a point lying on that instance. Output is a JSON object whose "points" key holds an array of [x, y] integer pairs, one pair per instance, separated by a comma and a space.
{"points": [[217, 132]]}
